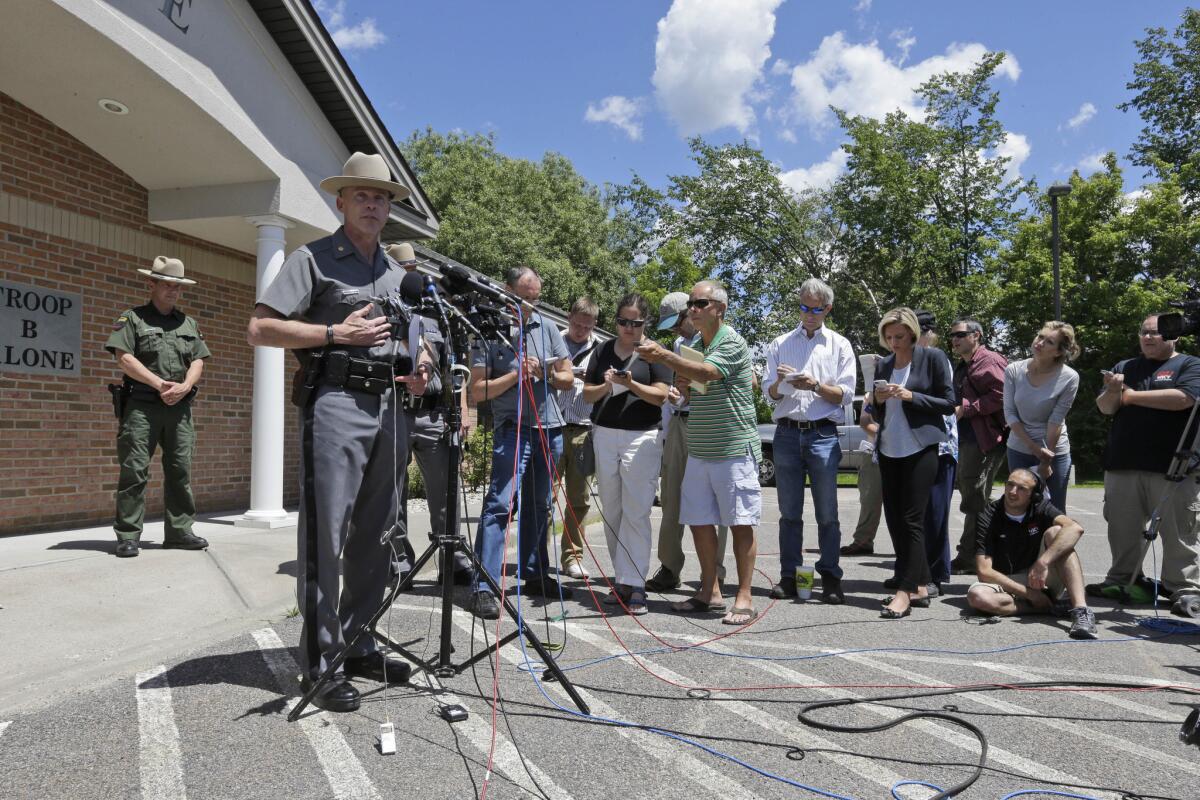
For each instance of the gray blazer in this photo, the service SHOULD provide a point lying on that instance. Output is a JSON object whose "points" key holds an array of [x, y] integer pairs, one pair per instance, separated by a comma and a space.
{"points": [[932, 390]]}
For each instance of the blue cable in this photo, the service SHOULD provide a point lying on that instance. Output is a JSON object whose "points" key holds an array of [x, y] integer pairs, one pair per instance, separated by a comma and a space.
{"points": [[1157, 623], [897, 785]]}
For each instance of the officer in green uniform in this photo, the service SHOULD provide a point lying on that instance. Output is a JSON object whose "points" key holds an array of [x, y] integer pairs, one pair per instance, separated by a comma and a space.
{"points": [[161, 351]]}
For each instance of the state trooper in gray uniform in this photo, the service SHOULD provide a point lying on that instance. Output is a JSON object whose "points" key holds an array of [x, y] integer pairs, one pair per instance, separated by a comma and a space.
{"points": [[426, 425], [353, 437]]}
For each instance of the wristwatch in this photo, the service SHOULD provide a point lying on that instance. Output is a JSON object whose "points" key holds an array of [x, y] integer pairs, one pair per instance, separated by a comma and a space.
{"points": [[328, 334]]}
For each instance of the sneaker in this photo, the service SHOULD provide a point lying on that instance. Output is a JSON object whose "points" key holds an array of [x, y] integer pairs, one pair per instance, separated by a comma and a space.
{"points": [[1083, 623], [934, 589], [575, 570], [546, 586], [1187, 605], [663, 581], [484, 605]]}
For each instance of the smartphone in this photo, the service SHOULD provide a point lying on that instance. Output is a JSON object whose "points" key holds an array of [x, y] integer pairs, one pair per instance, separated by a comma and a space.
{"points": [[880, 385], [624, 373], [1106, 372]]}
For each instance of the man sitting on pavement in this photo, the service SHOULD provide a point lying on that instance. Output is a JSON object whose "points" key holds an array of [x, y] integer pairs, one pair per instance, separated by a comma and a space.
{"points": [[1025, 556]]}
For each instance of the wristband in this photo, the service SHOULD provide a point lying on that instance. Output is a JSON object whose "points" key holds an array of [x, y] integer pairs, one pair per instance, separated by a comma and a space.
{"points": [[328, 334]]}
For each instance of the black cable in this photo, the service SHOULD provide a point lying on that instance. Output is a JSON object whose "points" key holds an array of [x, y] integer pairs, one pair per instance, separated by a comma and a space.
{"points": [[804, 714]]}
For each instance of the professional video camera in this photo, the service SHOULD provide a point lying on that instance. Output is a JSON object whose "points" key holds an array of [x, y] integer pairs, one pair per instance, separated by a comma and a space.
{"points": [[1172, 326]]}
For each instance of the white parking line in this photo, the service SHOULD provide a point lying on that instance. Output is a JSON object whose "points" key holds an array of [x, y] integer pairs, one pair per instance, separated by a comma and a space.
{"points": [[510, 762], [878, 775], [707, 779], [1100, 697], [347, 778], [159, 759], [4, 726]]}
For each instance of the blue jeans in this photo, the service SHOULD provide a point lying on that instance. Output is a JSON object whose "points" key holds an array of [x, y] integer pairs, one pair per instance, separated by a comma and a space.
{"points": [[1060, 470], [814, 453], [531, 516]]}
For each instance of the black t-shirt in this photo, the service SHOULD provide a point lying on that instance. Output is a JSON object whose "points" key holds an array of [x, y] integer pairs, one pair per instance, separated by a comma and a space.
{"points": [[1013, 546], [625, 411], [1145, 438]]}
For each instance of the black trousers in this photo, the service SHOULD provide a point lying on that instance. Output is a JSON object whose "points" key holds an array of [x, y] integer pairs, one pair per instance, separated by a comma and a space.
{"points": [[907, 483]]}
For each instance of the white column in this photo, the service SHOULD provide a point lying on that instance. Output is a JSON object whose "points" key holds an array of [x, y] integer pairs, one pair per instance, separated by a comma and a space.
{"points": [[267, 429]]}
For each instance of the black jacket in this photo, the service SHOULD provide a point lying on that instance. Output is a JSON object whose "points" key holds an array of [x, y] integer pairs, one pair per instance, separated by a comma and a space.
{"points": [[932, 388]]}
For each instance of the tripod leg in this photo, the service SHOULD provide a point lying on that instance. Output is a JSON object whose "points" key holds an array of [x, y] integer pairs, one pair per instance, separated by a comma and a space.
{"points": [[547, 659]]}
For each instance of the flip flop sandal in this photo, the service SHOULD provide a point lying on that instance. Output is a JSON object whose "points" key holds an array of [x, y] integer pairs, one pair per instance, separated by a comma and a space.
{"points": [[749, 613], [695, 606]]}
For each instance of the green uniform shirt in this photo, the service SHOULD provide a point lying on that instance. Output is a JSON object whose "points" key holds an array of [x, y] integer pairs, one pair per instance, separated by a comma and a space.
{"points": [[166, 344], [722, 422]]}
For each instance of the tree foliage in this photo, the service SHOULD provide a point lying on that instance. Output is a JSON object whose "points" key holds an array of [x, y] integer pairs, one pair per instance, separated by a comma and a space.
{"points": [[1167, 85], [497, 212]]}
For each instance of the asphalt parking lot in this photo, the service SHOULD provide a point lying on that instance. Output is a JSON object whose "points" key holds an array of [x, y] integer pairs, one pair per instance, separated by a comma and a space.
{"points": [[681, 706]]}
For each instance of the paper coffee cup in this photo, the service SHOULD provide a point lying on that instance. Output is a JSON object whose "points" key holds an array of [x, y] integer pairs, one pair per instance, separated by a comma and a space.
{"points": [[804, 583]]}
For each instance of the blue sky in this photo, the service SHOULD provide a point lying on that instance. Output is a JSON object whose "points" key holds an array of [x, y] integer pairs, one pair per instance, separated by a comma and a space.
{"points": [[617, 86]]}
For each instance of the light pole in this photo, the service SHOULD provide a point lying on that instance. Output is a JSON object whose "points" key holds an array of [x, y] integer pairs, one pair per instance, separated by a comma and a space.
{"points": [[1056, 191]]}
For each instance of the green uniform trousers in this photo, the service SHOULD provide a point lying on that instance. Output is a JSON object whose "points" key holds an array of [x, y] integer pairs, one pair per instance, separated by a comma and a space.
{"points": [[146, 425]]}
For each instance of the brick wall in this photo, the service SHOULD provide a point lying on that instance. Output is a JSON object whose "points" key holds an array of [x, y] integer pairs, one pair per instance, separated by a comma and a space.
{"points": [[71, 221]]}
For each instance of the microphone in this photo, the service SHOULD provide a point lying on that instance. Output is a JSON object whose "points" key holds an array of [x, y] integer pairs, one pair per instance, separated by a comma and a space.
{"points": [[458, 280], [412, 288]]}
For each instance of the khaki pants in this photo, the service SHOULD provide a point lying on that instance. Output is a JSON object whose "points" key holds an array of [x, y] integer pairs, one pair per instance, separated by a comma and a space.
{"points": [[976, 473], [670, 531], [1130, 497], [870, 502], [579, 493]]}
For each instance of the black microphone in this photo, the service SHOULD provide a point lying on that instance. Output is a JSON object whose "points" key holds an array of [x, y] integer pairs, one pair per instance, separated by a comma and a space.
{"points": [[458, 280], [412, 287]]}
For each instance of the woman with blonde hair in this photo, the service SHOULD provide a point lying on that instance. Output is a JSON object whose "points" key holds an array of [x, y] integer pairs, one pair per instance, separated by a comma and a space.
{"points": [[1038, 393], [911, 396]]}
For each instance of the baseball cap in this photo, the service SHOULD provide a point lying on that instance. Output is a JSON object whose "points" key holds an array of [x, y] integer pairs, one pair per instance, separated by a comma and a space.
{"points": [[670, 308]]}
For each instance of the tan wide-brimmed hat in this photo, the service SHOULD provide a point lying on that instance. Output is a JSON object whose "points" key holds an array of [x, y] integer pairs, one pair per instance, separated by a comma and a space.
{"points": [[167, 269], [365, 170], [404, 255]]}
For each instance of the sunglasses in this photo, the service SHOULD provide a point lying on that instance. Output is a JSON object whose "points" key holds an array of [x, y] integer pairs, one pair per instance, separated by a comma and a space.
{"points": [[702, 303], [959, 334], [630, 323], [812, 309]]}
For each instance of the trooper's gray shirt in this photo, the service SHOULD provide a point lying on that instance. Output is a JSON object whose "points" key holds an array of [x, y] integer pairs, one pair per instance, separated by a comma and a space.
{"points": [[352, 446]]}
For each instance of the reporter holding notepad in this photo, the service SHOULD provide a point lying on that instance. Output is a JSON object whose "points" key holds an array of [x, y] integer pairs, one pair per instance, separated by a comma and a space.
{"points": [[627, 394]]}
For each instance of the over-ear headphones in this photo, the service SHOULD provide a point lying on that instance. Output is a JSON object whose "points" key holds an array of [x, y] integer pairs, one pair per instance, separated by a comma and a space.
{"points": [[1038, 494]]}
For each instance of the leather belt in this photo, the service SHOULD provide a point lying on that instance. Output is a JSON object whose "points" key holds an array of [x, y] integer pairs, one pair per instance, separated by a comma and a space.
{"points": [[803, 424], [359, 374], [681, 414]]}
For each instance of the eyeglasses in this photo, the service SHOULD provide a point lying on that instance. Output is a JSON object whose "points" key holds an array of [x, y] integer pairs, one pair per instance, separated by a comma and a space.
{"points": [[630, 323], [959, 334], [701, 303], [1147, 332], [812, 309]]}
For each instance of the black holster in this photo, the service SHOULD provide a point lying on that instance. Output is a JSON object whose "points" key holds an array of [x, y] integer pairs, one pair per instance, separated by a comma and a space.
{"points": [[120, 396], [304, 380]]}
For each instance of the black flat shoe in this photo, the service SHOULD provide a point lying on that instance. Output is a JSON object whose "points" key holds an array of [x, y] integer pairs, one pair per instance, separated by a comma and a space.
{"points": [[373, 667], [337, 696], [888, 613], [127, 548], [188, 541], [913, 602]]}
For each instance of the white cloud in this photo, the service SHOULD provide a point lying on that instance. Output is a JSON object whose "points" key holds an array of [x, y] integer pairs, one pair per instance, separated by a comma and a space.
{"points": [[708, 57], [862, 6], [780, 67], [904, 43], [362, 36], [861, 79], [619, 111], [788, 135], [1015, 147], [818, 176], [1085, 113], [1091, 163]]}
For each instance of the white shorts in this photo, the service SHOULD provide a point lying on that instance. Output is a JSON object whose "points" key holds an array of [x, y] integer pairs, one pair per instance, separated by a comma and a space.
{"points": [[724, 492]]}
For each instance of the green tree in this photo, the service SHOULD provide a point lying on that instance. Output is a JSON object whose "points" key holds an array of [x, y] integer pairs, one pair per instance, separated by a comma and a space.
{"points": [[672, 269], [497, 212], [1167, 82]]}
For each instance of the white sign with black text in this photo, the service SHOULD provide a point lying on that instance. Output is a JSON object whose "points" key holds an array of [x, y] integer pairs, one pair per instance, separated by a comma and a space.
{"points": [[41, 330]]}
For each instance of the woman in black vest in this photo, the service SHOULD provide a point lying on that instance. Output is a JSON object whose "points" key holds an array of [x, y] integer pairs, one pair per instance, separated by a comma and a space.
{"points": [[913, 392]]}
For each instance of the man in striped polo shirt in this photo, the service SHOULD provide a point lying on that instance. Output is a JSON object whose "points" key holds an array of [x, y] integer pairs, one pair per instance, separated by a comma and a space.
{"points": [[720, 483]]}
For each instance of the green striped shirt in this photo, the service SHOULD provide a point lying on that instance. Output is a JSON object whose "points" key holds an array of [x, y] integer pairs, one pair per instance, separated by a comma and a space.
{"points": [[722, 423]]}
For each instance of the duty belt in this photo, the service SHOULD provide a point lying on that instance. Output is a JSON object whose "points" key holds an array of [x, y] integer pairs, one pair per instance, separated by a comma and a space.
{"points": [[423, 403], [338, 368]]}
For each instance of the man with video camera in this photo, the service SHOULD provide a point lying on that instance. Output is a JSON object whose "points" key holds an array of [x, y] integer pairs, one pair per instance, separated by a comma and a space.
{"points": [[1150, 398], [326, 305], [527, 443]]}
